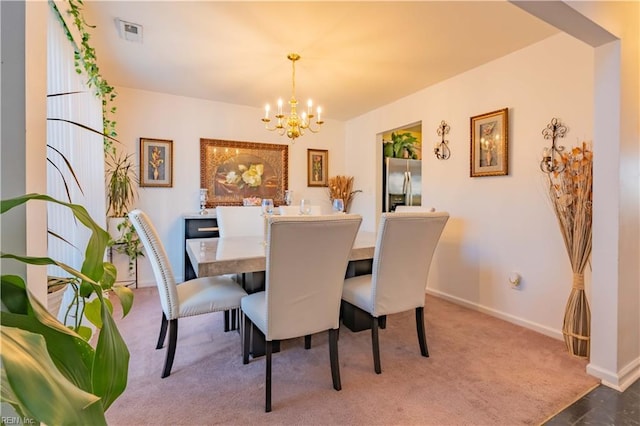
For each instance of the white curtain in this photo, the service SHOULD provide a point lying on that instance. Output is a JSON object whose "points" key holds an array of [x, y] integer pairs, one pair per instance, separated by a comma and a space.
{"points": [[82, 148]]}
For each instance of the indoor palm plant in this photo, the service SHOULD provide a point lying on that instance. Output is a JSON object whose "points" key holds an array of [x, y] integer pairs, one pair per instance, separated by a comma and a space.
{"points": [[50, 373], [121, 180]]}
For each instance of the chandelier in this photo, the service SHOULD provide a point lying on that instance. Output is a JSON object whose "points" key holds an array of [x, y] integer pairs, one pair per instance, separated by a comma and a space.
{"points": [[293, 124]]}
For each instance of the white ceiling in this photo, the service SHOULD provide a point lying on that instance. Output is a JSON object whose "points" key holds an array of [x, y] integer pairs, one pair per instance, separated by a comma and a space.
{"points": [[356, 56]]}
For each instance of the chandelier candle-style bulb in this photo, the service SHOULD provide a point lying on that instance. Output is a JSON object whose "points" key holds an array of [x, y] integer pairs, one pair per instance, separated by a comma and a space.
{"points": [[292, 124]]}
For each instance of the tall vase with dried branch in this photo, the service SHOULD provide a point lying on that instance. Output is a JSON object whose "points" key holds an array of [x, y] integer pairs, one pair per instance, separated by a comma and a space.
{"points": [[342, 187], [571, 193]]}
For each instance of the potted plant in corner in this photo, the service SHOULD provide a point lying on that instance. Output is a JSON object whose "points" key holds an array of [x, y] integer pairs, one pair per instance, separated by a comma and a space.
{"points": [[121, 179]]}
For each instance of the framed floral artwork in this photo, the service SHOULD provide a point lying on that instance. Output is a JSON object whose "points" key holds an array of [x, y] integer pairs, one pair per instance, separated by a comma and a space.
{"points": [[317, 167], [156, 162], [489, 144], [232, 171]]}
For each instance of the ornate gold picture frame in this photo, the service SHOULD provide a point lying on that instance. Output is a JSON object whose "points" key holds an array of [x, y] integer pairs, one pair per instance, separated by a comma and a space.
{"points": [[317, 167], [232, 171], [490, 143]]}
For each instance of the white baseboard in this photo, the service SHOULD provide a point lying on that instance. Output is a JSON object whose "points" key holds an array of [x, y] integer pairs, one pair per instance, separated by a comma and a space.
{"points": [[147, 283], [547, 331], [615, 380], [620, 380]]}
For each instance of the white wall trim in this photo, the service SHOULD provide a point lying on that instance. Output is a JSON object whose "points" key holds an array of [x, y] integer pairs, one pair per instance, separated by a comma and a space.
{"points": [[618, 381], [547, 331]]}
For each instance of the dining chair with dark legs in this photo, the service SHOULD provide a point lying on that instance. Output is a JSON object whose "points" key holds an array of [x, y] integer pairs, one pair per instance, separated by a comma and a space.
{"points": [[193, 297], [404, 249], [306, 260]]}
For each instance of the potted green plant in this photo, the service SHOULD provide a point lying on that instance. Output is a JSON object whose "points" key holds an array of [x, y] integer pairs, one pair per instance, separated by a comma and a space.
{"points": [[121, 180], [51, 374], [402, 145]]}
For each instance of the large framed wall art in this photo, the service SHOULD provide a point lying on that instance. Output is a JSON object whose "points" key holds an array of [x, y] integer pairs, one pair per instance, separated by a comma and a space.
{"points": [[232, 171], [489, 144]]}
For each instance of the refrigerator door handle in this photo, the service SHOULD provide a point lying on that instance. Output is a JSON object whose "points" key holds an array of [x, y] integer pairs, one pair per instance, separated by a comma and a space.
{"points": [[408, 191]]}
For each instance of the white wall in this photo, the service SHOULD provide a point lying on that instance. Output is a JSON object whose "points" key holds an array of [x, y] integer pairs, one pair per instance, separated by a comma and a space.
{"points": [[23, 26], [185, 121], [498, 224]]}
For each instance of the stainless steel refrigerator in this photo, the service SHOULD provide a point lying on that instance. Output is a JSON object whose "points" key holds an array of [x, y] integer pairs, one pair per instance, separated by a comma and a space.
{"points": [[402, 183]]}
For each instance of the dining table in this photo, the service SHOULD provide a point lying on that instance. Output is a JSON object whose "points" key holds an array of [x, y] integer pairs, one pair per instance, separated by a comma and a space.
{"points": [[234, 255], [246, 257]]}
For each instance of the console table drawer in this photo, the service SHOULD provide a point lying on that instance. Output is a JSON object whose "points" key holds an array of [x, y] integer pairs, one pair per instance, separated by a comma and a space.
{"points": [[197, 227], [200, 228]]}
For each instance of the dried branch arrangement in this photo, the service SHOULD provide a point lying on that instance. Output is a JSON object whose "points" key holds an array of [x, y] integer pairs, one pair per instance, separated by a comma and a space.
{"points": [[571, 194], [342, 187]]}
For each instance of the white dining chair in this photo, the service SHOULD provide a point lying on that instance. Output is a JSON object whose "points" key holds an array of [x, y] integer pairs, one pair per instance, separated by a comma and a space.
{"points": [[289, 210], [316, 210], [405, 209], [240, 221], [306, 260], [193, 297], [404, 248]]}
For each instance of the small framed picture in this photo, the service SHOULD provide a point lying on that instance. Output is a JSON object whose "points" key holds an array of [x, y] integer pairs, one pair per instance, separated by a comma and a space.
{"points": [[317, 167], [156, 162], [489, 144]]}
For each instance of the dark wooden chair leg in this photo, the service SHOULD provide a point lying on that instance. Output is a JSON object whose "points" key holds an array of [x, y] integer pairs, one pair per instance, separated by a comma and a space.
{"points": [[267, 405], [246, 340], [226, 321], [307, 341], [234, 319], [422, 339], [171, 350], [333, 356], [382, 321], [163, 332], [375, 345]]}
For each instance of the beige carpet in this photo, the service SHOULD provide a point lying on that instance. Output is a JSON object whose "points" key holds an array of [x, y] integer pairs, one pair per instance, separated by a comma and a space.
{"points": [[482, 371]]}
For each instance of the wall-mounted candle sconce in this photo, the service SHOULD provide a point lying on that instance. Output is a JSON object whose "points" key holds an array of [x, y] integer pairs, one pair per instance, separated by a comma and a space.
{"points": [[551, 157], [442, 148]]}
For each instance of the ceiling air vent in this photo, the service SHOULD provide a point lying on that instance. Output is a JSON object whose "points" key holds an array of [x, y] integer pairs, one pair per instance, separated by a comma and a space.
{"points": [[130, 31]]}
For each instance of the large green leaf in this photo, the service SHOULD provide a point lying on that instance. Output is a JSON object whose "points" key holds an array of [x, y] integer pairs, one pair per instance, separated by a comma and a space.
{"points": [[125, 295], [72, 355], [110, 366], [38, 388]]}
